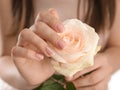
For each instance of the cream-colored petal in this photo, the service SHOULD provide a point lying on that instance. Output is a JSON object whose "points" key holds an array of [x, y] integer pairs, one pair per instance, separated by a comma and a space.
{"points": [[78, 55]]}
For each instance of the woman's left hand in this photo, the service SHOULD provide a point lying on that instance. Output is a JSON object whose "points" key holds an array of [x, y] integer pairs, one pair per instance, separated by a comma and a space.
{"points": [[97, 76]]}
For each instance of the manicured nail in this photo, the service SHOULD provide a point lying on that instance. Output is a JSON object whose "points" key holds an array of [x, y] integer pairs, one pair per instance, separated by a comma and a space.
{"points": [[50, 52], [60, 27], [39, 57], [53, 12], [68, 78], [61, 44], [51, 9]]}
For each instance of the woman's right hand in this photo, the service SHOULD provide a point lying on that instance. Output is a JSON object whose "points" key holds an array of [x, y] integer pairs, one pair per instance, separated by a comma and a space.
{"points": [[31, 54]]}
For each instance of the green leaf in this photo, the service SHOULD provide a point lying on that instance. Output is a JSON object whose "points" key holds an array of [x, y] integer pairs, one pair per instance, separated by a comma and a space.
{"points": [[59, 78], [48, 82], [56, 82], [54, 86], [70, 86]]}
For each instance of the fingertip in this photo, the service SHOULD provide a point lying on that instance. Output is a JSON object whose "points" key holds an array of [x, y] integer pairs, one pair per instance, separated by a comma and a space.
{"points": [[68, 79], [39, 57], [61, 44], [60, 27], [54, 12]]}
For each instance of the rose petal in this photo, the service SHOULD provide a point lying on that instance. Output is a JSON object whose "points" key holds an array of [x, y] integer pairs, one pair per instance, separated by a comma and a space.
{"points": [[81, 47]]}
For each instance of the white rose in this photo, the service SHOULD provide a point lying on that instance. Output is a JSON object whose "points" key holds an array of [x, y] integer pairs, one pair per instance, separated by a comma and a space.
{"points": [[80, 50]]}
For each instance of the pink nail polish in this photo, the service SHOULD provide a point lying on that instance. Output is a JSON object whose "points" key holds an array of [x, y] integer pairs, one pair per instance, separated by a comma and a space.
{"points": [[69, 79], [39, 57], [49, 51], [60, 27], [61, 44]]}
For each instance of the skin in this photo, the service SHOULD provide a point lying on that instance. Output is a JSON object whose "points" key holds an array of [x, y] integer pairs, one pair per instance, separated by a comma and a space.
{"points": [[30, 54], [28, 51]]}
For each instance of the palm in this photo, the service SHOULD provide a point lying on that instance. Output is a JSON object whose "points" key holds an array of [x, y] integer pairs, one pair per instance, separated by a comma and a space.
{"points": [[35, 71]]}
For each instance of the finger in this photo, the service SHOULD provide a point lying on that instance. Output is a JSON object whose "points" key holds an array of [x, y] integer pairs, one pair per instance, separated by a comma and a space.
{"points": [[30, 37], [26, 53], [83, 73], [91, 79], [51, 19], [103, 85], [45, 32], [54, 12], [97, 64], [29, 68]]}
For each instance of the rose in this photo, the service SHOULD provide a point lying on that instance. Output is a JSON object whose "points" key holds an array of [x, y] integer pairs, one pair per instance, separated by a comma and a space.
{"points": [[79, 52]]}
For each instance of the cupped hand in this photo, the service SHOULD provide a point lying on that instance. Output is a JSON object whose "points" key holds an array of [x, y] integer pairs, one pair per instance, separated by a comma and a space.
{"points": [[31, 54], [95, 77]]}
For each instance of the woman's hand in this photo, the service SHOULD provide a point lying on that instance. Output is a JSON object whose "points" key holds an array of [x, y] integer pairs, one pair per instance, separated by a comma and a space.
{"points": [[97, 76], [31, 52]]}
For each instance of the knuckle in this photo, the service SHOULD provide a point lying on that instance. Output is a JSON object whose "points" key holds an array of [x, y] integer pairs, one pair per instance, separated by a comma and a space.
{"points": [[34, 38], [23, 33], [38, 25]]}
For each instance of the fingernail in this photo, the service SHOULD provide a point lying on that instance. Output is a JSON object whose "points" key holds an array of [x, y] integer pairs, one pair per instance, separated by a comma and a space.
{"points": [[50, 52], [61, 44], [60, 27], [39, 57], [68, 79], [53, 12], [51, 9]]}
